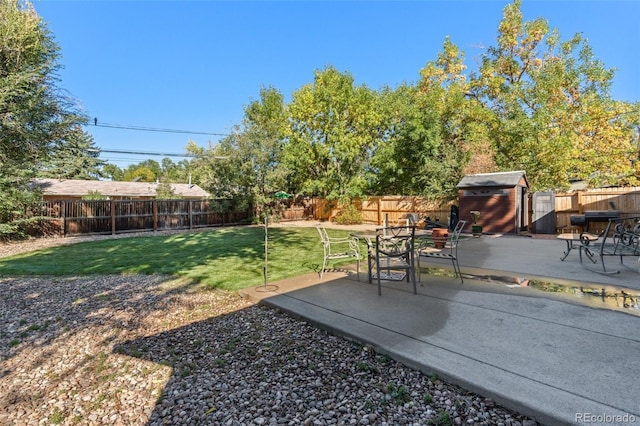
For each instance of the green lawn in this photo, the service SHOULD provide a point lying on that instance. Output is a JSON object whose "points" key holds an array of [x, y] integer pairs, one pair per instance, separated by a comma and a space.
{"points": [[227, 258]]}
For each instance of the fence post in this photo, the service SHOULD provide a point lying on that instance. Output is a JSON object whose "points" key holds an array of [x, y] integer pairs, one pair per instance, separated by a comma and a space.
{"points": [[113, 216], [190, 209], [154, 206], [379, 210], [580, 206], [63, 208]]}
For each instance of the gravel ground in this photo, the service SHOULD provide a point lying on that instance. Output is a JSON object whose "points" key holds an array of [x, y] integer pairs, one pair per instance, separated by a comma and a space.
{"points": [[154, 350]]}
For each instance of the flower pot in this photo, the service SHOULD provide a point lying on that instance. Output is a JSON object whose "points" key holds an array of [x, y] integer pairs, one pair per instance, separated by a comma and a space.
{"points": [[476, 230], [440, 236]]}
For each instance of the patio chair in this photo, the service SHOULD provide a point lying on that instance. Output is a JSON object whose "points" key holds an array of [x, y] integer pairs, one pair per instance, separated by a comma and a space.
{"points": [[337, 248], [394, 255], [412, 219], [449, 252], [409, 219]]}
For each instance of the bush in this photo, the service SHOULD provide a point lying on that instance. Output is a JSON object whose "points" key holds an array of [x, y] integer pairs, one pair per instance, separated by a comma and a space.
{"points": [[44, 227], [348, 215], [22, 229], [19, 209], [94, 195]]}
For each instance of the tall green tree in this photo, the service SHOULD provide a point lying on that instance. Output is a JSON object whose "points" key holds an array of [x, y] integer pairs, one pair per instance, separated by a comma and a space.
{"points": [[435, 132], [260, 148], [214, 168], [554, 115], [74, 158], [149, 170], [35, 116], [463, 144], [248, 163], [164, 191], [145, 171], [334, 125], [175, 172], [152, 165], [113, 172], [399, 157]]}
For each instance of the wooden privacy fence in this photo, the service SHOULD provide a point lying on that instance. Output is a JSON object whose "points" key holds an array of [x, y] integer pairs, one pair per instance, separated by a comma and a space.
{"points": [[625, 200], [376, 209], [77, 217]]}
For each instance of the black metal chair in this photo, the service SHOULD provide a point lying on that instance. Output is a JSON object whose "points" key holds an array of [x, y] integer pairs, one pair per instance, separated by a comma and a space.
{"points": [[394, 255]]}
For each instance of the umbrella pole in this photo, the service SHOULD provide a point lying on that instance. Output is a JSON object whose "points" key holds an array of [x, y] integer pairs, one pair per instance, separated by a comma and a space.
{"points": [[265, 269], [266, 250]]}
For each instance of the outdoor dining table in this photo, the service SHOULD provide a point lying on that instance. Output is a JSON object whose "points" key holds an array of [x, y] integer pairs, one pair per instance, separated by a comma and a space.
{"points": [[581, 239], [369, 238]]}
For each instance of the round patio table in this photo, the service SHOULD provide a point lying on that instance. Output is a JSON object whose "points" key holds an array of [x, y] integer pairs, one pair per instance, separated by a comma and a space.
{"points": [[370, 238], [582, 239]]}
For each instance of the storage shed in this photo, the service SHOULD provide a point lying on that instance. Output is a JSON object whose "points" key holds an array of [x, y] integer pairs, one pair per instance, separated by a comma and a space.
{"points": [[501, 198]]}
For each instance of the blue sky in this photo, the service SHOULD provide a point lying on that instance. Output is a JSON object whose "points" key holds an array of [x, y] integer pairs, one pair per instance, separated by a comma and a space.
{"points": [[195, 65]]}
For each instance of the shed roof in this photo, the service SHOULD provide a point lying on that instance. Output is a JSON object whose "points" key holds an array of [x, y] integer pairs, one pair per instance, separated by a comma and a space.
{"points": [[493, 179], [78, 188]]}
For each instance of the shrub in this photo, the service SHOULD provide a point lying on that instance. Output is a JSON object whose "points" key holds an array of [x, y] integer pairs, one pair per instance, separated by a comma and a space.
{"points": [[94, 196], [348, 215]]}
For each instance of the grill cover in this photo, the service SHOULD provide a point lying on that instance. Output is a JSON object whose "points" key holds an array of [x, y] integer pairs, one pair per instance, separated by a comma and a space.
{"points": [[601, 215], [593, 216]]}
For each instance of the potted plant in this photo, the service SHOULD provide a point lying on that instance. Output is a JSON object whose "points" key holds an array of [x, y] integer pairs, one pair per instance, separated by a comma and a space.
{"points": [[440, 236], [476, 229]]}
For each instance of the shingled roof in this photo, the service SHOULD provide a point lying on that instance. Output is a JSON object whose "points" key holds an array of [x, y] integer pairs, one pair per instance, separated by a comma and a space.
{"points": [[493, 179], [79, 188]]}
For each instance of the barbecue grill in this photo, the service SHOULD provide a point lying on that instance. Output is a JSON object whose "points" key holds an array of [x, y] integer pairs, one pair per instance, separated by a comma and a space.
{"points": [[590, 216]]}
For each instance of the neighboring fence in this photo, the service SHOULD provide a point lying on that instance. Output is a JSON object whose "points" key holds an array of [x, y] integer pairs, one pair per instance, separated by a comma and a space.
{"points": [[294, 209], [376, 209], [75, 217], [71, 217], [625, 200]]}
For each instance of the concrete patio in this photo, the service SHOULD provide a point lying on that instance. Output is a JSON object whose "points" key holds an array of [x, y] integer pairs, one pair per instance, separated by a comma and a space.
{"points": [[561, 357]]}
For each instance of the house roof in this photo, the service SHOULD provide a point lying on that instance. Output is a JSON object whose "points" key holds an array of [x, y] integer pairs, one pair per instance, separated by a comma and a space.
{"points": [[78, 188], [493, 179]]}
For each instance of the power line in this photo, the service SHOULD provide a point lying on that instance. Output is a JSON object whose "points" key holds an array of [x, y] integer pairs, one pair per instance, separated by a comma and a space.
{"points": [[162, 154], [155, 129]]}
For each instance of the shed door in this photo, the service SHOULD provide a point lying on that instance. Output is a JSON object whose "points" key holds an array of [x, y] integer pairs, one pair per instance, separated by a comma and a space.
{"points": [[544, 214], [522, 209]]}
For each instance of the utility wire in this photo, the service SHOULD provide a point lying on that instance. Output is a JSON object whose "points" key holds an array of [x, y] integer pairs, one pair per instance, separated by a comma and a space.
{"points": [[163, 154], [155, 129]]}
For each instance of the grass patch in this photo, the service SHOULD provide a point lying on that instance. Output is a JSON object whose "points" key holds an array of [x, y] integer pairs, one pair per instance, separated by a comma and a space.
{"points": [[398, 393], [441, 419], [56, 416], [226, 258]]}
